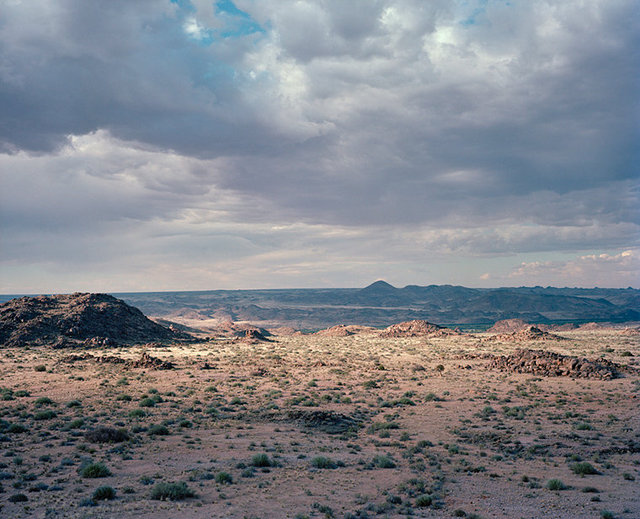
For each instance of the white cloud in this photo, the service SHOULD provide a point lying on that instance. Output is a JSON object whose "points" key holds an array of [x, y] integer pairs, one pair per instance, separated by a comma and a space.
{"points": [[588, 270]]}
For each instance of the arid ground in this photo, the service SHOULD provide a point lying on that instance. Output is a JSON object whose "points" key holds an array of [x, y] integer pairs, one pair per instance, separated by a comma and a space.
{"points": [[320, 426]]}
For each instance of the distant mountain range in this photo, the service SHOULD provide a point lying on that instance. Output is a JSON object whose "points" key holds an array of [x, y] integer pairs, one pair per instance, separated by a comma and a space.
{"points": [[382, 304]]}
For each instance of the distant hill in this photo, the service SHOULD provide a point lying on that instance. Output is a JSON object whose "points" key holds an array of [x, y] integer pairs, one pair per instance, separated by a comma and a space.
{"points": [[381, 304]]}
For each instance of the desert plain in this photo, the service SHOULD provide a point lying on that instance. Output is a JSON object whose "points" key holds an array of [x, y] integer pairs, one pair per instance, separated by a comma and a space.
{"points": [[313, 425]]}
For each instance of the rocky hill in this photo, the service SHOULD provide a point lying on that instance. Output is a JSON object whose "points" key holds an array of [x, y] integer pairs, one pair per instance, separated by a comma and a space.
{"points": [[75, 319]]}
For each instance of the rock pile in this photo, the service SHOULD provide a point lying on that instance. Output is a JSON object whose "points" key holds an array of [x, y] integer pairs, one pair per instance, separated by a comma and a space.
{"points": [[340, 330], [344, 330], [145, 361], [71, 320], [417, 328], [508, 326], [528, 333], [549, 364]]}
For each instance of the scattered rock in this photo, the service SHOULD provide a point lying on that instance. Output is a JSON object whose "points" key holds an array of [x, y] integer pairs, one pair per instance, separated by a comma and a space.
{"points": [[549, 364], [145, 361]]}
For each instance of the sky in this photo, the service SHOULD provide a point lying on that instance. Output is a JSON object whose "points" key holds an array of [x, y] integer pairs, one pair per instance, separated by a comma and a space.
{"points": [[198, 144]]}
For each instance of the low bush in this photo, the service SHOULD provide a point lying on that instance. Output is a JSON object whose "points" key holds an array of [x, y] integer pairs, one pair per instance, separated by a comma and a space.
{"points": [[584, 468], [171, 492], [104, 493], [261, 460], [107, 435], [95, 470], [556, 484]]}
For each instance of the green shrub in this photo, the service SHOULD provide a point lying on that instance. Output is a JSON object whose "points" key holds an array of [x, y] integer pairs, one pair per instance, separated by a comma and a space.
{"points": [[137, 413], [383, 462], [158, 430], [261, 460], [95, 470], [556, 484], [40, 367], [106, 435], [583, 469], [18, 498], [42, 401], [16, 428], [322, 462], [424, 500], [171, 491], [103, 493], [224, 478], [44, 415]]}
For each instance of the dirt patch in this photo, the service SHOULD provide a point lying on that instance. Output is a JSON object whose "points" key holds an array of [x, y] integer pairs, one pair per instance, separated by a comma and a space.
{"points": [[551, 364]]}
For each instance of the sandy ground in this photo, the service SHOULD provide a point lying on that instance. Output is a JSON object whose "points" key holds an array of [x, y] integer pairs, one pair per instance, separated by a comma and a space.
{"points": [[411, 427]]}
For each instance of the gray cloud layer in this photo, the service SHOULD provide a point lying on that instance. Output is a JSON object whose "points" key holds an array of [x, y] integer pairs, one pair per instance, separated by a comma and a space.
{"points": [[476, 128]]}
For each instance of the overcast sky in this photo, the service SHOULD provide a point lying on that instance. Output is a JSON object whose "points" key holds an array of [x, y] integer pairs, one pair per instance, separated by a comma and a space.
{"points": [[193, 145]]}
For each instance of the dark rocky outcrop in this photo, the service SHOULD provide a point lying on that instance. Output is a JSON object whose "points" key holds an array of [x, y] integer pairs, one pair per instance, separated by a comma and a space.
{"points": [[549, 364], [78, 319]]}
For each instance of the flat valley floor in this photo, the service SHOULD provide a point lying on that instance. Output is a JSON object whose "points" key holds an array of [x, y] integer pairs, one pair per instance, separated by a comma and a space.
{"points": [[312, 426]]}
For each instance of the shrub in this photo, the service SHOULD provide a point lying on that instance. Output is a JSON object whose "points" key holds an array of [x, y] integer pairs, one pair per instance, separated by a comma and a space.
{"points": [[224, 478], [322, 462], [424, 500], [103, 493], [42, 401], [158, 430], [147, 402], [171, 491], [107, 435], [40, 367], [45, 415], [606, 514], [18, 498], [95, 470], [137, 413], [383, 462], [261, 460], [75, 424], [584, 468], [556, 484], [16, 428]]}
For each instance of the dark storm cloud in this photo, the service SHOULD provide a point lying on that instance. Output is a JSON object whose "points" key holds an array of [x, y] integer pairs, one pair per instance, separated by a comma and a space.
{"points": [[432, 127]]}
